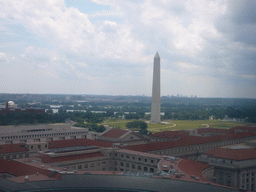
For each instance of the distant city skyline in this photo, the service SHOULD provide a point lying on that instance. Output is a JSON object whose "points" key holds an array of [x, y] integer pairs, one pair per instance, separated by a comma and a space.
{"points": [[97, 47]]}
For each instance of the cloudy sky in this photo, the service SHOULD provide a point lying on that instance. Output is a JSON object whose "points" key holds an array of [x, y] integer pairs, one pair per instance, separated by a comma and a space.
{"points": [[207, 48]]}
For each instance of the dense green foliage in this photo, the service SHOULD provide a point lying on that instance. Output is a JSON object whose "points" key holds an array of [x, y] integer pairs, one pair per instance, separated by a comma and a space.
{"points": [[31, 118], [140, 125]]}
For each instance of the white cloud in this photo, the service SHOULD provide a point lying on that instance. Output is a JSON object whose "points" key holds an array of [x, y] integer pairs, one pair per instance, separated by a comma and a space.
{"points": [[200, 43], [3, 57]]}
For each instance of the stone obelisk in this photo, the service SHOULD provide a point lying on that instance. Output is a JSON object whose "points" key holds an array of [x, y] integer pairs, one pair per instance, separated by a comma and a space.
{"points": [[155, 106]]}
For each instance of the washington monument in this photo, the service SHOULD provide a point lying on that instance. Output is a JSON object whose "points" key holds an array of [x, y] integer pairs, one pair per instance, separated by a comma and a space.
{"points": [[155, 106]]}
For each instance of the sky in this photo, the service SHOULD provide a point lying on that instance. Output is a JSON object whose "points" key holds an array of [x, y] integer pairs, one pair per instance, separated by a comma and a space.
{"points": [[107, 47]]}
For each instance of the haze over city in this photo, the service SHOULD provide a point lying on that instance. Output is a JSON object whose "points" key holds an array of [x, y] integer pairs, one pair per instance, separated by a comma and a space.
{"points": [[207, 48]]}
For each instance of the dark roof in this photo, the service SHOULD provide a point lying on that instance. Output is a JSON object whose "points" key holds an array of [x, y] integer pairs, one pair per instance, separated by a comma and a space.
{"points": [[187, 141], [170, 134], [12, 148], [233, 154], [114, 133], [48, 159], [78, 142], [195, 168]]}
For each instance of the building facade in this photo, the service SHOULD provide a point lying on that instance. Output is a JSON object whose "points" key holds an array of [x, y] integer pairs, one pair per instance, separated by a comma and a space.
{"points": [[234, 166]]}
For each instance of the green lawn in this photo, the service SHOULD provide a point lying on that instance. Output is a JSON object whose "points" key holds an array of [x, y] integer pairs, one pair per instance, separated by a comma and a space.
{"points": [[176, 125]]}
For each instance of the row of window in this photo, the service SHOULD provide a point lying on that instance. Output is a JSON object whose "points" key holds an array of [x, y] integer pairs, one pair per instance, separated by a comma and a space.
{"points": [[248, 174], [37, 146], [191, 149], [41, 135], [135, 158], [133, 166], [18, 156], [87, 165], [248, 187]]}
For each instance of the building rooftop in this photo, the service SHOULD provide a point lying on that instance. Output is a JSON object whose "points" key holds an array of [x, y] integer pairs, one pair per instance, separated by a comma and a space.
{"points": [[187, 141], [214, 130], [12, 148], [233, 154], [114, 133], [170, 134], [78, 142], [49, 159], [193, 168]]}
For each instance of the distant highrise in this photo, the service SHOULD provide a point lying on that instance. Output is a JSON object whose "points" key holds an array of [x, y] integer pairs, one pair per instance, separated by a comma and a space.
{"points": [[155, 106]]}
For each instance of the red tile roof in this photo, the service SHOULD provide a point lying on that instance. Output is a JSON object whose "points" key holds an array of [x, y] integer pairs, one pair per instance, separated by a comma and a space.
{"points": [[187, 141], [170, 134], [78, 142], [214, 130], [48, 159], [193, 168], [251, 128], [233, 154], [18, 169], [114, 133], [4, 164], [12, 148]]}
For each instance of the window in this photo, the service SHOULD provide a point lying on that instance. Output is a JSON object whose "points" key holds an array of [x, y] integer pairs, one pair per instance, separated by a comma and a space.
{"points": [[92, 164], [133, 158], [152, 161], [221, 174], [121, 163], [26, 155], [146, 160], [98, 164], [145, 169], [115, 154], [139, 167], [115, 162], [133, 166], [139, 159], [122, 155], [127, 157], [85, 166], [228, 179], [121, 170], [151, 170], [32, 147], [127, 165], [20, 155], [39, 146], [79, 166]]}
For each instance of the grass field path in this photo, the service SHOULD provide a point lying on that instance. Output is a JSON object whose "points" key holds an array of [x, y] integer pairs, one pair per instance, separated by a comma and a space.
{"points": [[175, 124]]}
